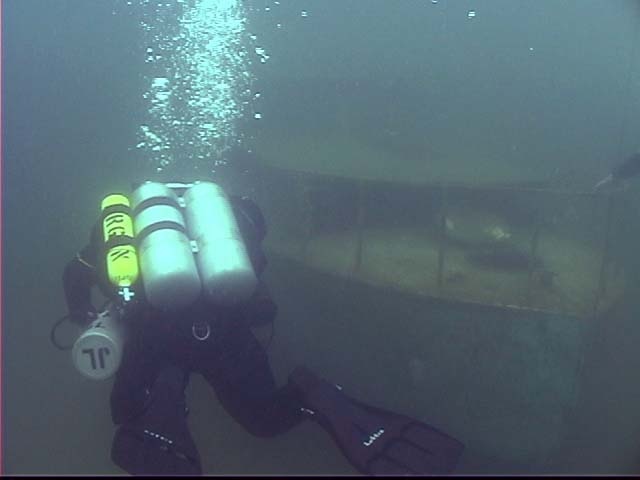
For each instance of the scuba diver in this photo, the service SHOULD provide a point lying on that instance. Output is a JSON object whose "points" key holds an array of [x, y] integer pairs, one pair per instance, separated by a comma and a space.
{"points": [[629, 168], [189, 309]]}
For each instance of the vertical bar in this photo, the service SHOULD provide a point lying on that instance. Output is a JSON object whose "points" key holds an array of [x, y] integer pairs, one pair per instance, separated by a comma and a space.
{"points": [[532, 258], [443, 234], [602, 282], [307, 205], [361, 186]]}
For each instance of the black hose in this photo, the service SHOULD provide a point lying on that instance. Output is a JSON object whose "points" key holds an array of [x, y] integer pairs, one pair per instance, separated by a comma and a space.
{"points": [[54, 328], [52, 335]]}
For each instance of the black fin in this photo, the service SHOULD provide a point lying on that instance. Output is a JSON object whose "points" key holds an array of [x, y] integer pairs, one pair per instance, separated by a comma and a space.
{"points": [[158, 441], [374, 440]]}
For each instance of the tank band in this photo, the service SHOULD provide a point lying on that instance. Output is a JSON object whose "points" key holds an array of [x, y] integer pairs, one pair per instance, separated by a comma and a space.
{"points": [[153, 201], [154, 227], [117, 241], [115, 209]]}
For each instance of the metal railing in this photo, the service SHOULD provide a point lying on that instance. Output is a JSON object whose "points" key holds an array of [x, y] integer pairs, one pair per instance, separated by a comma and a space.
{"points": [[446, 192]]}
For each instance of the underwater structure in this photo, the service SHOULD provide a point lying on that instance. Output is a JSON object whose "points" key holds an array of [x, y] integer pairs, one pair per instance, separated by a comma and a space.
{"points": [[492, 286]]}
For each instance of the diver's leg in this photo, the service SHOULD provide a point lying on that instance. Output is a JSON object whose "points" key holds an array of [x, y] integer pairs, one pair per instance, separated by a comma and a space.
{"points": [[244, 383], [148, 402], [137, 373], [157, 440]]}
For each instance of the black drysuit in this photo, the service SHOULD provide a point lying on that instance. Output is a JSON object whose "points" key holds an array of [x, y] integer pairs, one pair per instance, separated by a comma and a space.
{"points": [[162, 350]]}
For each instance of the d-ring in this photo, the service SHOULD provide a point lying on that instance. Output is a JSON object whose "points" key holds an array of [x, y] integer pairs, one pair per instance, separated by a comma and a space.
{"points": [[198, 334]]}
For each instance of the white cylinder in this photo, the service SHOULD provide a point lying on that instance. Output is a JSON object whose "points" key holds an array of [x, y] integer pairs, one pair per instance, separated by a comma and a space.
{"points": [[225, 268], [97, 353], [169, 273]]}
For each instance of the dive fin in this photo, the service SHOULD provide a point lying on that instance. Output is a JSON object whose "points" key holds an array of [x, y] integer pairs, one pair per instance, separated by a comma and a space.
{"points": [[158, 441], [374, 440]]}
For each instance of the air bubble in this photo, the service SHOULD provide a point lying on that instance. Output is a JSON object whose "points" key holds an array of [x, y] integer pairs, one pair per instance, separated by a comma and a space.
{"points": [[202, 69]]}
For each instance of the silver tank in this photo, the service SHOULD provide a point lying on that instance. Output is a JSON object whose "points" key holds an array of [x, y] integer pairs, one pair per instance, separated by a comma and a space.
{"points": [[225, 268], [169, 272]]}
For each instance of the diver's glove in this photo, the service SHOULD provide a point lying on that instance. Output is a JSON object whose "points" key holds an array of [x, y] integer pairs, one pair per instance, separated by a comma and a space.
{"points": [[83, 316]]}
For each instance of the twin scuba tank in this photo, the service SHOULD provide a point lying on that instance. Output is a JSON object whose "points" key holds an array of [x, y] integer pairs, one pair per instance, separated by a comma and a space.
{"points": [[181, 247], [190, 245]]}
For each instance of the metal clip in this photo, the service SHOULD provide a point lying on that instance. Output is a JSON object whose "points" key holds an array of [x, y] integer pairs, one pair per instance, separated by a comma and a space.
{"points": [[197, 331]]}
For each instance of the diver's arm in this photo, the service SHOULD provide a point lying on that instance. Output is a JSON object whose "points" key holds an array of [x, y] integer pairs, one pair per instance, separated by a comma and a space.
{"points": [[253, 229], [78, 278], [260, 309]]}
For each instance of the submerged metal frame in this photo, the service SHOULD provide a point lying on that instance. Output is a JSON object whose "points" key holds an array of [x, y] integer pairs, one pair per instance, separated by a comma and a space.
{"points": [[602, 281], [362, 186]]}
